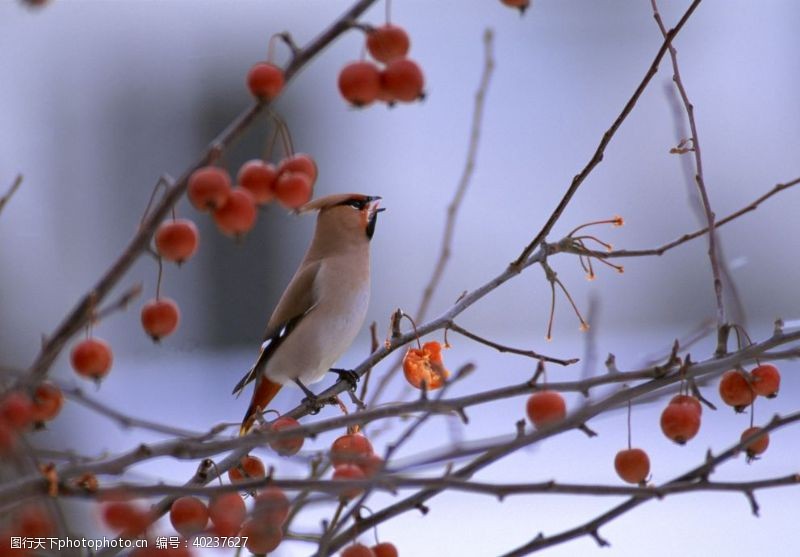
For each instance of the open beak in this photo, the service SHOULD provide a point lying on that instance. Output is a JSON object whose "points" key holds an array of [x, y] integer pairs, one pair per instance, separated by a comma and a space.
{"points": [[373, 215]]}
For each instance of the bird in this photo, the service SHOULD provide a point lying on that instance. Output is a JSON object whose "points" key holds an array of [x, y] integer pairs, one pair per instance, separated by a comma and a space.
{"points": [[323, 307]]}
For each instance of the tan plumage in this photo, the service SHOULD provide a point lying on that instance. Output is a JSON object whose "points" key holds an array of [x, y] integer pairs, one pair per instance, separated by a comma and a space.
{"points": [[323, 307]]}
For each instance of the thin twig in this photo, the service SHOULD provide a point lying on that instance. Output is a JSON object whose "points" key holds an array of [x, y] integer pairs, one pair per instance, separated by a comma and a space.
{"points": [[598, 154], [11, 191], [453, 326]]}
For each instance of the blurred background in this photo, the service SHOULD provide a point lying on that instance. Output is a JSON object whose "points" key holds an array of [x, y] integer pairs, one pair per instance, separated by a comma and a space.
{"points": [[101, 98]]}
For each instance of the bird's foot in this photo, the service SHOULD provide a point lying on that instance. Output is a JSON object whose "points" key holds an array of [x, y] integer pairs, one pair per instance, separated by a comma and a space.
{"points": [[312, 402], [348, 375]]}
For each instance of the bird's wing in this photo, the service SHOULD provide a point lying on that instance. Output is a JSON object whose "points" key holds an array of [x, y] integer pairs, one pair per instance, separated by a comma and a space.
{"points": [[296, 303]]}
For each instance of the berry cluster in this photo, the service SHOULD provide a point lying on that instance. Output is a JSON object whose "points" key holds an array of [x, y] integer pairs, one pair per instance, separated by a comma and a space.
{"points": [[399, 80], [19, 411]]}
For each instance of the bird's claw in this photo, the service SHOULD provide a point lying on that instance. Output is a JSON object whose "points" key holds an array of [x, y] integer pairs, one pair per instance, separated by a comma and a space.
{"points": [[349, 376], [313, 404]]}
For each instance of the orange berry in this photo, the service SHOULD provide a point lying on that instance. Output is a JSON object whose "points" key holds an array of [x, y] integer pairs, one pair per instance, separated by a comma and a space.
{"points": [[290, 445], [265, 80], [208, 188], [425, 366], [47, 402], [766, 380], [227, 512], [238, 215], [688, 399], [632, 465], [32, 521], [352, 448], [403, 80], [125, 517], [385, 549], [188, 516], [735, 389], [755, 448], [249, 467], [521, 5], [177, 240], [261, 537], [160, 317], [293, 189], [359, 83], [370, 465], [387, 43], [258, 177], [357, 550], [92, 358], [348, 472], [16, 409], [271, 506], [545, 408], [300, 162], [680, 421]]}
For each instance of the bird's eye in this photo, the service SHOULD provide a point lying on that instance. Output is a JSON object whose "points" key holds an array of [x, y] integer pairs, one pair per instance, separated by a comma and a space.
{"points": [[356, 203]]}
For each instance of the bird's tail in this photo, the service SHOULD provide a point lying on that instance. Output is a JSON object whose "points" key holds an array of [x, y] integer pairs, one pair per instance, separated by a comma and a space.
{"points": [[264, 392]]}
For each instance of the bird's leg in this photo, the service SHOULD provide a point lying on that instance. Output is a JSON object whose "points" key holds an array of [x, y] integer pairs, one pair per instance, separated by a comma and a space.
{"points": [[347, 375], [311, 401]]}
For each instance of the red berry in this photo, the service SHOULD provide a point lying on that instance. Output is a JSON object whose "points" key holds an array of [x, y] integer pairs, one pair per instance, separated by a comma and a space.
{"points": [[521, 5], [125, 517], [359, 83], [47, 402], [209, 187], [16, 409], [755, 448], [385, 549], [238, 215], [688, 399], [265, 80], [33, 522], [227, 511], [348, 472], [92, 358], [632, 465], [352, 448], [403, 80], [387, 43], [177, 240], [261, 537], [290, 445], [545, 408], [299, 162], [258, 177], [293, 189], [766, 380], [357, 550], [271, 506], [188, 516], [160, 317], [249, 467], [735, 389], [680, 421], [370, 465]]}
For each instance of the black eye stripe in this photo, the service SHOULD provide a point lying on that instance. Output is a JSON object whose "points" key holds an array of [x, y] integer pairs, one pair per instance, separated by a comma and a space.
{"points": [[356, 203]]}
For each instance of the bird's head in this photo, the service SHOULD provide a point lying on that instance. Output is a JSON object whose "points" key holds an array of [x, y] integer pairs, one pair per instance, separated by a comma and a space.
{"points": [[345, 218]]}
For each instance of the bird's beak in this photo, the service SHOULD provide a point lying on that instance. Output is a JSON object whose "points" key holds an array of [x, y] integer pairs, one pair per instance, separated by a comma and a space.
{"points": [[373, 215]]}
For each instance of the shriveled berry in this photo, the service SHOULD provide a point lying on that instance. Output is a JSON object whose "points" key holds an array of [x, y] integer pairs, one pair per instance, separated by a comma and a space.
{"points": [[208, 188], [545, 408], [188, 515], [238, 215], [766, 380], [92, 358], [265, 80], [425, 366], [632, 465], [160, 317], [388, 42], [680, 421], [359, 83], [735, 389], [403, 80], [177, 240], [290, 445]]}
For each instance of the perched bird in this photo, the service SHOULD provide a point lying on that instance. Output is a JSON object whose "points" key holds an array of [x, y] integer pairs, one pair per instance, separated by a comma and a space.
{"points": [[323, 308]]}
